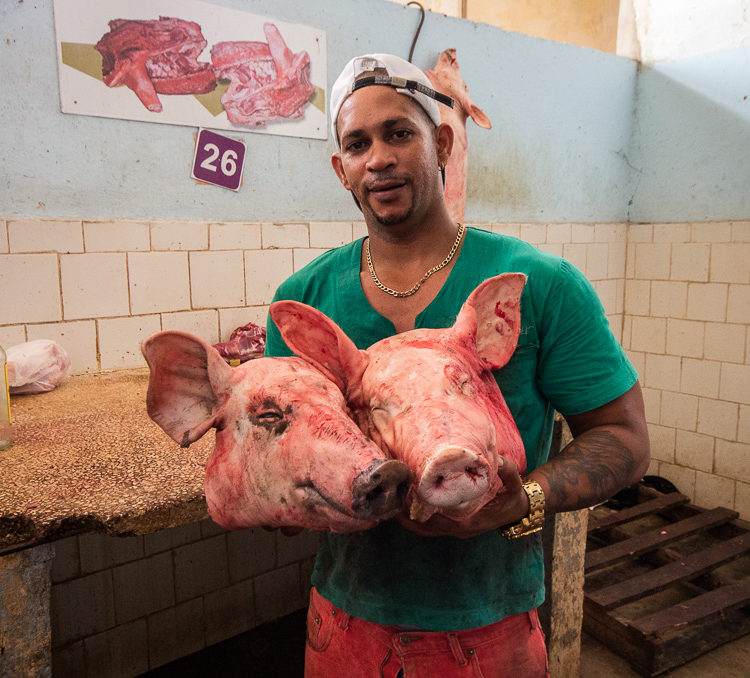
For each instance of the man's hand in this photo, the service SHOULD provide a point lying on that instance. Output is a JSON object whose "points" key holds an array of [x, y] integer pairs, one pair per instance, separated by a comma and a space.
{"points": [[508, 506]]}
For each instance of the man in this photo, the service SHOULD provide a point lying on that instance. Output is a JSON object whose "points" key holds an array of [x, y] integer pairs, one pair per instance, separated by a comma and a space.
{"points": [[444, 598]]}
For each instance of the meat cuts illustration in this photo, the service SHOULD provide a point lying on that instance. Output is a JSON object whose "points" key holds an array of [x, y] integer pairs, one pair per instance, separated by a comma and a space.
{"points": [[446, 78], [155, 56], [267, 80], [427, 396], [286, 451]]}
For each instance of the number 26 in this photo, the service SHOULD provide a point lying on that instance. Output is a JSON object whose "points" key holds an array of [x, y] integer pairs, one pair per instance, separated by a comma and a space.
{"points": [[228, 160]]}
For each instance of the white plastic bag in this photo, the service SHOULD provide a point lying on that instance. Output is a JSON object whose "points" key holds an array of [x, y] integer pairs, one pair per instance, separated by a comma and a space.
{"points": [[36, 366]]}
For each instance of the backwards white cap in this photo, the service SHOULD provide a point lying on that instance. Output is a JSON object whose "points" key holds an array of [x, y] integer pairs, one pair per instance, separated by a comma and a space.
{"points": [[385, 69]]}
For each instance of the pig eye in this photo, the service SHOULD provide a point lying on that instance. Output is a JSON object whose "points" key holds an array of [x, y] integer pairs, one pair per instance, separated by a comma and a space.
{"points": [[270, 416]]}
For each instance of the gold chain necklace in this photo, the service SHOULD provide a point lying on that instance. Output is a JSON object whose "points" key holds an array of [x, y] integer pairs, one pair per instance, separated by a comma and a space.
{"points": [[434, 269]]}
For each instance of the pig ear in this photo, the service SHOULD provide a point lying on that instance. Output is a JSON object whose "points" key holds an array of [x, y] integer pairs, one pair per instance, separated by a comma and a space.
{"points": [[315, 337], [479, 117], [186, 386], [492, 314]]}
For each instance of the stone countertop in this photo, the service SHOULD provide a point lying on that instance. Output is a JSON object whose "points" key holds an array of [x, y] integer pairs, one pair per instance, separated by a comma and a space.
{"points": [[86, 457]]}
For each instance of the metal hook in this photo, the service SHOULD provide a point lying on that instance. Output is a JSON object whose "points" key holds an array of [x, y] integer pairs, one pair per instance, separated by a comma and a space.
{"points": [[419, 28]]}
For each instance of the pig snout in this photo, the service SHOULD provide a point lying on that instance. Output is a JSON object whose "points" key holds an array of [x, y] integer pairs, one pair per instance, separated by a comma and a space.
{"points": [[453, 477], [451, 448], [380, 489]]}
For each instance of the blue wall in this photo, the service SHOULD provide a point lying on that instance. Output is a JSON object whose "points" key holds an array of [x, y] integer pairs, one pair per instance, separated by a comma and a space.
{"points": [[561, 119], [563, 146]]}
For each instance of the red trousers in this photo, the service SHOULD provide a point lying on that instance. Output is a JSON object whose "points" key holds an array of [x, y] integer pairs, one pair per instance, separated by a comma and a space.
{"points": [[342, 646]]}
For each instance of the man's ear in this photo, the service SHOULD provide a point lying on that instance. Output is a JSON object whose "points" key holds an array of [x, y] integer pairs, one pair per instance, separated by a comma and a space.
{"points": [[444, 139], [338, 167]]}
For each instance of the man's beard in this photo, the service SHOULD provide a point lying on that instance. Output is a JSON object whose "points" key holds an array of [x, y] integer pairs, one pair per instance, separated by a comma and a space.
{"points": [[392, 219]]}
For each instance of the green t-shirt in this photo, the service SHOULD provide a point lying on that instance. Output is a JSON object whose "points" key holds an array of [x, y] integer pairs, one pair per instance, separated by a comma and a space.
{"points": [[567, 359]]}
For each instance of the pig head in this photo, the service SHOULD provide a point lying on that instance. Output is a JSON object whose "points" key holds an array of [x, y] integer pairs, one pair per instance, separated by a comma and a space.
{"points": [[286, 451], [428, 396], [446, 78]]}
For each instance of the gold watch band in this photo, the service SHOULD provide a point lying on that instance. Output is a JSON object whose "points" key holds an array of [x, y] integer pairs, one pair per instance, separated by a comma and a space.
{"points": [[534, 520]]}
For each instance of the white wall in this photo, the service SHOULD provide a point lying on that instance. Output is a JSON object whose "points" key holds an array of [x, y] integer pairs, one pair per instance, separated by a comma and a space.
{"points": [[665, 30]]}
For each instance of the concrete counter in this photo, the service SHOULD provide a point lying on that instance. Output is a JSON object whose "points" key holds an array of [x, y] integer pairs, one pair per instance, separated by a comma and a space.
{"points": [[87, 457]]}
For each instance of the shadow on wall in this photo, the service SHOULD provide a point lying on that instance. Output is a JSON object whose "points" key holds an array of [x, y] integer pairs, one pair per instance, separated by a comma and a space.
{"points": [[275, 649], [691, 139], [561, 126]]}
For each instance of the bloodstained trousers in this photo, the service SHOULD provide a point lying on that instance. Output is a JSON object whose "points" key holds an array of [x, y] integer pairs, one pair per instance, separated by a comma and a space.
{"points": [[342, 646]]}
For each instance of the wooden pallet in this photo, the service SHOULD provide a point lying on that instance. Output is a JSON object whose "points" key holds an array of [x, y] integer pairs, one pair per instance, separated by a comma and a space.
{"points": [[666, 581]]}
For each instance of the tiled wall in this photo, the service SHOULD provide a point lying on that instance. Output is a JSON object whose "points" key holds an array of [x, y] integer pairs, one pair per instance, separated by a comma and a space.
{"points": [[596, 249], [687, 308], [123, 606], [99, 288], [677, 295]]}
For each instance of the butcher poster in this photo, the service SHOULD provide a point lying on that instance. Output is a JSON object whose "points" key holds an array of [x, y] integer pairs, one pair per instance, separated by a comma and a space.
{"points": [[185, 62]]}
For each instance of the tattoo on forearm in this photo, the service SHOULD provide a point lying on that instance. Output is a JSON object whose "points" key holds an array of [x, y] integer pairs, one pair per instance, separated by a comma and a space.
{"points": [[591, 469]]}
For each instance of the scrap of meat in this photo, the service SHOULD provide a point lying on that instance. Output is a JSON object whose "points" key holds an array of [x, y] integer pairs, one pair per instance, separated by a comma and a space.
{"points": [[267, 80], [151, 56], [286, 452], [428, 396], [245, 343], [446, 78]]}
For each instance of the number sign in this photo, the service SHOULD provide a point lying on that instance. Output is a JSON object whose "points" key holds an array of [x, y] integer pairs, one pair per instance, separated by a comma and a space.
{"points": [[218, 160]]}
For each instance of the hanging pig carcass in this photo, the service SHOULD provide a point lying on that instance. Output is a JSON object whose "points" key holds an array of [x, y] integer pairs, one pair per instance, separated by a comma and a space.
{"points": [[446, 78], [267, 81], [428, 396], [155, 56], [286, 451]]}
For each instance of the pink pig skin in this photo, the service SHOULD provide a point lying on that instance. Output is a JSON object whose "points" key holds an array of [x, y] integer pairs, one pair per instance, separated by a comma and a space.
{"points": [[427, 396], [446, 78], [286, 452]]}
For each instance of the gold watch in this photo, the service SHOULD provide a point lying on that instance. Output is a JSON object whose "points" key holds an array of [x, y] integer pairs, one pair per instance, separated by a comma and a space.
{"points": [[534, 520]]}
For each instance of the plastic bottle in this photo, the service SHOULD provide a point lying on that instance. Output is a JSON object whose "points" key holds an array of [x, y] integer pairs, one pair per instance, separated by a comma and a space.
{"points": [[6, 430]]}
